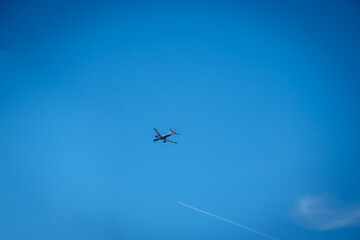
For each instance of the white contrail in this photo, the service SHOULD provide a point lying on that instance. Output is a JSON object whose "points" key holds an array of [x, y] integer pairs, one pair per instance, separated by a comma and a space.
{"points": [[229, 221]]}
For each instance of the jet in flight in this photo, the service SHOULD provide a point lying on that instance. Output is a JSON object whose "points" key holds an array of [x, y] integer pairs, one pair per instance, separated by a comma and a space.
{"points": [[165, 136]]}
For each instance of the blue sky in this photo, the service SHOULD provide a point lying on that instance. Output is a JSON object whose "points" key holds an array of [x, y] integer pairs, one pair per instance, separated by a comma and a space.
{"points": [[265, 97]]}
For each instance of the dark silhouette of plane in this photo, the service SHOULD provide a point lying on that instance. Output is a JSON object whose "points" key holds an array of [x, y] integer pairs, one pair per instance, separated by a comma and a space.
{"points": [[165, 136]]}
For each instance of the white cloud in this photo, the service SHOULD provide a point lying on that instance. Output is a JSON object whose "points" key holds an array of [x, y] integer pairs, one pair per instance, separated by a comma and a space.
{"points": [[323, 213]]}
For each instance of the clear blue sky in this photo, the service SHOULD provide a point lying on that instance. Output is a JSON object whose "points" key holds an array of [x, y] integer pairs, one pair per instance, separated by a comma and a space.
{"points": [[265, 95]]}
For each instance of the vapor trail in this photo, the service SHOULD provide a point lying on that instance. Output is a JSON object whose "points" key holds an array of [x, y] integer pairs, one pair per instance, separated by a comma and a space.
{"points": [[229, 221]]}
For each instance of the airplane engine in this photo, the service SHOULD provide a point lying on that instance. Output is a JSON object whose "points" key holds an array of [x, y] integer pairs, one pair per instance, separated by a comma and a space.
{"points": [[164, 141]]}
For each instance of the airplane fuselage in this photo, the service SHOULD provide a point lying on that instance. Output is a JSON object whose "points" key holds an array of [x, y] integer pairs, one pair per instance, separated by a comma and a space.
{"points": [[163, 137]]}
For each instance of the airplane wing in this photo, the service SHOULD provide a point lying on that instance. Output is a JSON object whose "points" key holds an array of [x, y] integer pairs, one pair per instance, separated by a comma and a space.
{"points": [[157, 132], [170, 141]]}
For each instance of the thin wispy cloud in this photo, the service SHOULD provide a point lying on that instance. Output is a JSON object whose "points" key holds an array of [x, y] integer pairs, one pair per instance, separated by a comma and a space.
{"points": [[324, 213]]}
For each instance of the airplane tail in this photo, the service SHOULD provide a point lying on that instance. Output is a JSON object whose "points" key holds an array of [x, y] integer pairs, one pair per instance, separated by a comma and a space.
{"points": [[173, 131]]}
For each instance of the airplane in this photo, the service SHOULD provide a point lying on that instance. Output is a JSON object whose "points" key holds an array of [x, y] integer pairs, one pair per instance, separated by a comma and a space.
{"points": [[165, 136]]}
